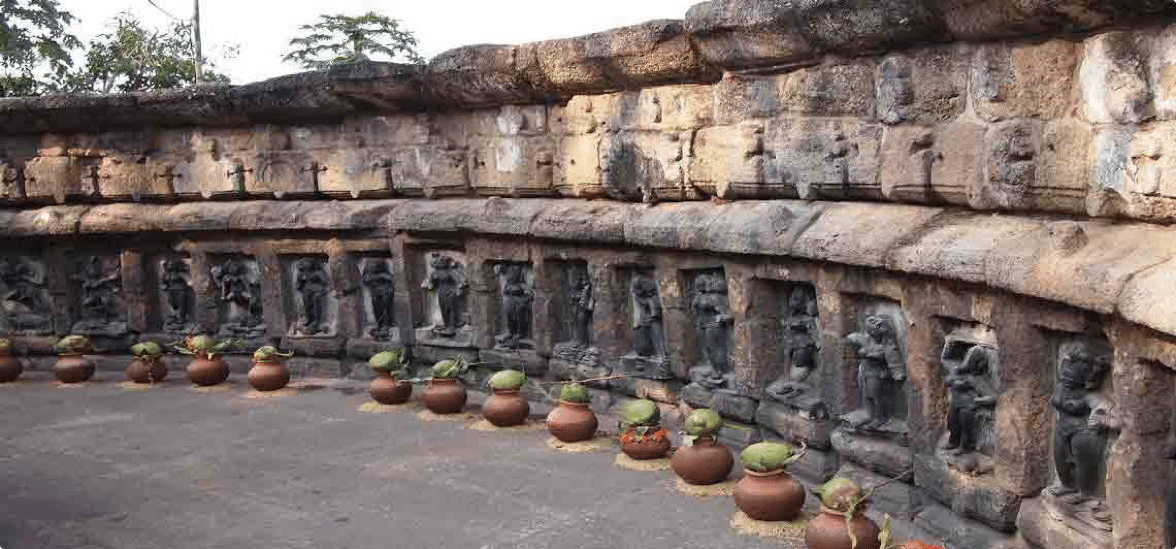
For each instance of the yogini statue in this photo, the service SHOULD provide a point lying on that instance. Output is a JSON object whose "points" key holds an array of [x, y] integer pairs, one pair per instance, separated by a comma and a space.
{"points": [[312, 283], [21, 284], [517, 296], [242, 295], [381, 287], [446, 280], [1081, 429], [969, 392], [800, 343], [880, 369], [98, 292], [174, 280], [584, 304], [713, 324], [648, 340]]}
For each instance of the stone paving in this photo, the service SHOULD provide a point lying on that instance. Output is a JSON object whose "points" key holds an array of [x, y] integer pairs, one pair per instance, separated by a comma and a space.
{"points": [[105, 466]]}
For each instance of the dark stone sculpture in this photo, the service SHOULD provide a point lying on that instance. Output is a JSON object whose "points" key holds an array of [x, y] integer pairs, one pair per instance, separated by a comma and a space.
{"points": [[800, 344], [713, 324], [969, 393], [1081, 430], [517, 296], [648, 359], [174, 280], [446, 280], [25, 305], [880, 369], [579, 307], [99, 310], [312, 283], [381, 285], [243, 296], [583, 305]]}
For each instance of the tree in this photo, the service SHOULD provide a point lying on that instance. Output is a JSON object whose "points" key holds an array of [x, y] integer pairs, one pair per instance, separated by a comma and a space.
{"points": [[130, 57], [33, 37], [340, 39]]}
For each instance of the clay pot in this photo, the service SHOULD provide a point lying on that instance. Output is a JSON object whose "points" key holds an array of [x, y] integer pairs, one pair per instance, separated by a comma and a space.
{"points": [[387, 390], [73, 368], [506, 408], [703, 463], [827, 531], [268, 376], [206, 372], [647, 448], [10, 369], [572, 422], [444, 396], [770, 496], [143, 371]]}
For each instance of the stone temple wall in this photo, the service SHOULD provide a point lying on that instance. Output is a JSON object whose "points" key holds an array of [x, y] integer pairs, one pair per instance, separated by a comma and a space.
{"points": [[881, 228]]}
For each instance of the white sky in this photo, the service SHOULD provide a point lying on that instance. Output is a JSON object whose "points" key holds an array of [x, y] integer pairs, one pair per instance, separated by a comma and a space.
{"points": [[262, 28]]}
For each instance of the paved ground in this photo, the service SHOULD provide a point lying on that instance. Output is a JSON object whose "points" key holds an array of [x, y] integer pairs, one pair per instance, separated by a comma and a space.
{"points": [[101, 466]]}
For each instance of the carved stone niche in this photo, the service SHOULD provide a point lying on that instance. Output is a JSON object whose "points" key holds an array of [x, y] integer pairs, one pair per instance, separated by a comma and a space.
{"points": [[513, 312], [446, 321], [648, 357], [575, 312], [712, 372], [175, 301], [237, 280], [310, 305], [25, 307], [378, 297], [96, 297]]}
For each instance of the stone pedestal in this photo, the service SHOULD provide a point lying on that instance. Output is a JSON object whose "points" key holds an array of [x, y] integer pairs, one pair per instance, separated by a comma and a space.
{"points": [[572, 371], [738, 436], [978, 497], [938, 523], [725, 402], [1043, 531], [795, 424], [463, 339], [644, 367], [524, 360], [425, 356], [363, 349], [880, 455], [816, 465], [313, 345], [897, 498]]}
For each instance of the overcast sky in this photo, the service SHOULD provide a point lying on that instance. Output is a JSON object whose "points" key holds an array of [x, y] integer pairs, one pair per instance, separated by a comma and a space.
{"points": [[263, 28]]}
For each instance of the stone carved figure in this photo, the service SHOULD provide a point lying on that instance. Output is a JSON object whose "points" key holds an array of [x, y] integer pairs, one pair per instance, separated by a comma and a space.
{"points": [[24, 304], [649, 357], [800, 344], [579, 307], [99, 296], [177, 291], [447, 281], [381, 285], [517, 296], [713, 324], [1081, 430], [583, 305], [312, 283], [243, 296], [880, 368], [969, 393]]}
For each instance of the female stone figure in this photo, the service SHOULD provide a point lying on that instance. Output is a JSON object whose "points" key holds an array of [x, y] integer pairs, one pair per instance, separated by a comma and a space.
{"points": [[98, 292], [517, 296], [312, 283], [713, 323], [968, 394], [446, 280], [647, 317], [174, 280], [242, 295], [382, 289], [880, 368], [584, 304], [800, 342], [1080, 432]]}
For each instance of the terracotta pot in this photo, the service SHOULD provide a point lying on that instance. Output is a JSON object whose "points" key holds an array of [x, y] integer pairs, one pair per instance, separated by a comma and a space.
{"points": [[10, 369], [387, 390], [827, 531], [770, 496], [572, 422], [444, 396], [506, 408], [268, 376], [647, 448], [142, 371], [73, 368], [705, 462], [206, 372]]}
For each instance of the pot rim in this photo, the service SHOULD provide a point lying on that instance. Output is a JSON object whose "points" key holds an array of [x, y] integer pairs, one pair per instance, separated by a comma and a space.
{"points": [[268, 363], [773, 473], [861, 509], [61, 355], [506, 391], [444, 381], [575, 404]]}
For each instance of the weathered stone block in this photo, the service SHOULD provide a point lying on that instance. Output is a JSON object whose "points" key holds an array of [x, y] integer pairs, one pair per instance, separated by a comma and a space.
{"points": [[12, 184], [644, 166], [577, 169], [356, 173], [927, 86], [207, 176], [958, 170], [59, 178], [824, 159], [1162, 72], [834, 90], [524, 360], [740, 97], [792, 425], [1039, 528], [283, 174], [130, 178], [1012, 167], [940, 524], [513, 165], [728, 162], [1113, 79], [480, 75], [1109, 177], [1063, 167], [1024, 81], [978, 497], [879, 455], [907, 160], [428, 171]]}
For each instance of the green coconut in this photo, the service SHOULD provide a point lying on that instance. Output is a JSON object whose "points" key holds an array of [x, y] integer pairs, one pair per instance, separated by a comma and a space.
{"points": [[575, 392], [146, 349], [507, 380], [703, 422], [642, 412], [765, 457], [5, 347], [449, 368], [73, 344], [201, 344], [387, 360], [840, 494], [269, 354]]}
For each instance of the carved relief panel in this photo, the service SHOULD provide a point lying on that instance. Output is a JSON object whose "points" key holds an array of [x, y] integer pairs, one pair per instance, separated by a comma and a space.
{"points": [[97, 301], [238, 284], [310, 305], [25, 307]]}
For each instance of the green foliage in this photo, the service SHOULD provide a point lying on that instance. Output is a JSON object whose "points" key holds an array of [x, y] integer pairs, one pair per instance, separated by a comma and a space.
{"points": [[449, 368], [73, 345], [5, 347], [33, 37], [507, 380], [269, 354], [840, 494], [575, 392], [131, 57], [703, 422], [642, 413], [884, 533], [342, 40], [765, 457], [387, 360], [207, 346], [147, 350]]}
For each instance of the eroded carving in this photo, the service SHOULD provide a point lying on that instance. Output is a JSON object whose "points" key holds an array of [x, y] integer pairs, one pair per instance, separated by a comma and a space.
{"points": [[447, 284], [517, 295], [969, 372], [26, 305], [240, 292], [99, 307], [800, 338], [881, 368], [381, 290], [580, 305], [649, 358], [712, 322], [174, 280], [313, 284]]}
